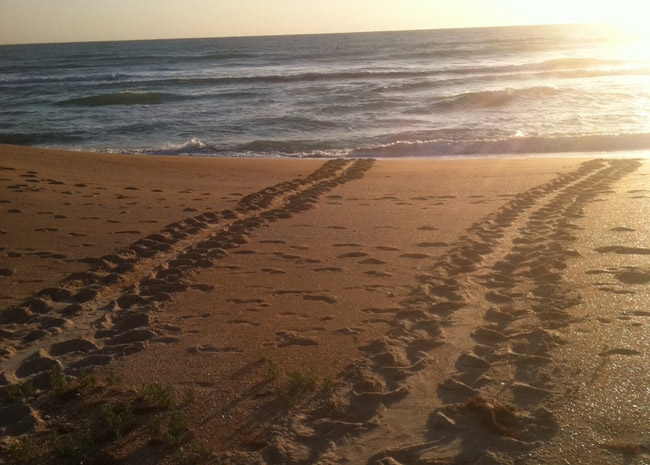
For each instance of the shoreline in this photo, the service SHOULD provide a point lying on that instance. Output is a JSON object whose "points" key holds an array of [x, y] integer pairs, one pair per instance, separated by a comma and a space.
{"points": [[622, 153], [389, 292]]}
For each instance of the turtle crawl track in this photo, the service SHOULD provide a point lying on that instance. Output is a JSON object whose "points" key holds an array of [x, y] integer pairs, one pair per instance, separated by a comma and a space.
{"points": [[93, 317], [499, 288]]}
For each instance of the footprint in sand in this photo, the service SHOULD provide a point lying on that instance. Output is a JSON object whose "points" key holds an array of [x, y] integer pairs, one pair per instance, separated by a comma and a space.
{"points": [[353, 255], [377, 274], [336, 227], [415, 256], [203, 287], [619, 351], [292, 338], [242, 322], [347, 331], [328, 269], [320, 298], [272, 271], [427, 228], [287, 256], [245, 301], [346, 245], [372, 261], [633, 276], [386, 248], [431, 244]]}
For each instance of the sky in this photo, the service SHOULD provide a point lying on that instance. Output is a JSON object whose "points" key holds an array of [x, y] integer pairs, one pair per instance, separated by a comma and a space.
{"points": [[42, 21]]}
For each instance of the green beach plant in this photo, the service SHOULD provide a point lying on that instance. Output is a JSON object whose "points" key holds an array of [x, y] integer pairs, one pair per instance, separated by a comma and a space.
{"points": [[58, 382], [116, 419], [159, 395], [298, 385]]}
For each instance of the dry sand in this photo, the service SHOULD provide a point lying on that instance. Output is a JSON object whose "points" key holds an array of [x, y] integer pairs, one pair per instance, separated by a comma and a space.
{"points": [[453, 311]]}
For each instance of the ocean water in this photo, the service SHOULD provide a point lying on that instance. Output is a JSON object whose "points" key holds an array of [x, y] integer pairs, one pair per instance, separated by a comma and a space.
{"points": [[416, 93]]}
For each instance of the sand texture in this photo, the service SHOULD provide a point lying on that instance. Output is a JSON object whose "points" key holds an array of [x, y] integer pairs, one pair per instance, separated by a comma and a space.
{"points": [[490, 311]]}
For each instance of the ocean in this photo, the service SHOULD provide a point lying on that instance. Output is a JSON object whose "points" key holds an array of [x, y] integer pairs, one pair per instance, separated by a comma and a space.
{"points": [[536, 89]]}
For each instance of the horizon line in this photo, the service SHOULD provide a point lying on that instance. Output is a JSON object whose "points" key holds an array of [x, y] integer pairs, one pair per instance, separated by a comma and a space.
{"points": [[301, 34]]}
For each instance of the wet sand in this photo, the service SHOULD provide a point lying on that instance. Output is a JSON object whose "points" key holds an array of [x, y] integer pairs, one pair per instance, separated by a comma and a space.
{"points": [[434, 311]]}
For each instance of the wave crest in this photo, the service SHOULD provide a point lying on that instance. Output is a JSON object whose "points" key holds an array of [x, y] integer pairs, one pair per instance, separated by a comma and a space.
{"points": [[493, 98], [515, 145], [121, 98]]}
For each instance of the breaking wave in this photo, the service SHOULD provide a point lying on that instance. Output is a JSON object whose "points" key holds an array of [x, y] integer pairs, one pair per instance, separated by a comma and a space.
{"points": [[515, 145]]}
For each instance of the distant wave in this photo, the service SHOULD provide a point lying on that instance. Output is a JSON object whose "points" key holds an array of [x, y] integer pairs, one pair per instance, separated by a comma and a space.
{"points": [[225, 56], [39, 138], [121, 98], [557, 68], [490, 98], [68, 78], [518, 145], [564, 67], [424, 83]]}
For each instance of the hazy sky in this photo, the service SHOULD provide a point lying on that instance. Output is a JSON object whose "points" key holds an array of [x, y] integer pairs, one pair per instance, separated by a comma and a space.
{"points": [[28, 21]]}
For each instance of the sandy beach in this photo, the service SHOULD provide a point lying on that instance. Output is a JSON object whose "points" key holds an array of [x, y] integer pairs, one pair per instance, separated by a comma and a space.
{"points": [[222, 310]]}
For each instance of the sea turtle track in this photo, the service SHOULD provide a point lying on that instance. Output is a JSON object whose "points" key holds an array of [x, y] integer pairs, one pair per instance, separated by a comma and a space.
{"points": [[94, 316], [499, 288]]}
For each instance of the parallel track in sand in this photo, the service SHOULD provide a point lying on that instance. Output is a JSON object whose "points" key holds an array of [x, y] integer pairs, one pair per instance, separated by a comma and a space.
{"points": [[465, 374], [96, 316]]}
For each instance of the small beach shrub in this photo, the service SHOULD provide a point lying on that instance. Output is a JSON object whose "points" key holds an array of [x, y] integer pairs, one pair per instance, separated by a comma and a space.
{"points": [[58, 382], [86, 379], [170, 428], [116, 419], [159, 395], [20, 391], [298, 385]]}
